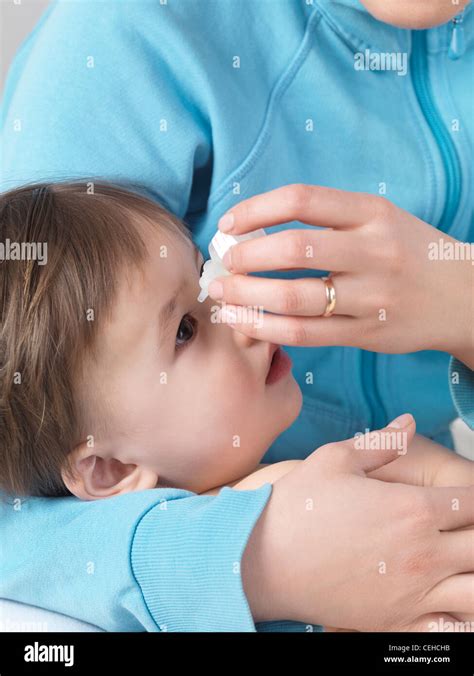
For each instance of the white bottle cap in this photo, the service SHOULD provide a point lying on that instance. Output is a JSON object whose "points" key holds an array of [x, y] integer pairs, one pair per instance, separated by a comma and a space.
{"points": [[213, 268]]}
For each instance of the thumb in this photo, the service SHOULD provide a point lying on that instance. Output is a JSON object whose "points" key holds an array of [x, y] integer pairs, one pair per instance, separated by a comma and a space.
{"points": [[379, 447]]}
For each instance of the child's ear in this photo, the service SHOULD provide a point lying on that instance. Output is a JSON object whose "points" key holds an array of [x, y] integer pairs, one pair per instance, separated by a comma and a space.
{"points": [[96, 476]]}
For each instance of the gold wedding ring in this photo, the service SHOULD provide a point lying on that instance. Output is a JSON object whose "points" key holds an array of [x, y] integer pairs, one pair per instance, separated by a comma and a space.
{"points": [[330, 296]]}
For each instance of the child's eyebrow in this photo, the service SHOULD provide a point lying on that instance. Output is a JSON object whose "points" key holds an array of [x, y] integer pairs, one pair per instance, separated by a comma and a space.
{"points": [[167, 311]]}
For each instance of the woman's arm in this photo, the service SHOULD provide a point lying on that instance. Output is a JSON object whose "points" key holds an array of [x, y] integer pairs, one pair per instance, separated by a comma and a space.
{"points": [[325, 514]]}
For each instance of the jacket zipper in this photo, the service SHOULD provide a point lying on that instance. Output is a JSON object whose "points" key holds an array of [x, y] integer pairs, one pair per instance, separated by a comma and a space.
{"points": [[452, 171], [457, 45], [449, 156]]}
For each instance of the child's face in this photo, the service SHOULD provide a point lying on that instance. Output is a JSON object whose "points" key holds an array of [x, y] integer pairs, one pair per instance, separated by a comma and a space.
{"points": [[187, 396]]}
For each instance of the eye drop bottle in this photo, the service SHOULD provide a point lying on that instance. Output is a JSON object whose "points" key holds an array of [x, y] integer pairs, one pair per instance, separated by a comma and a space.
{"points": [[214, 267]]}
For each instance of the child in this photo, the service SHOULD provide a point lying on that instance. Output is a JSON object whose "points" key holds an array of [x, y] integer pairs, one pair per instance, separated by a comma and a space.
{"points": [[114, 377]]}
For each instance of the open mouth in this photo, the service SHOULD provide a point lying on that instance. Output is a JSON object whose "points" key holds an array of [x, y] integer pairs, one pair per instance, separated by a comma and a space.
{"points": [[280, 366]]}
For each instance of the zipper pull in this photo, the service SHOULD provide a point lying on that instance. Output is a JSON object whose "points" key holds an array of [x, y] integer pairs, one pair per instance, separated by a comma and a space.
{"points": [[457, 46]]}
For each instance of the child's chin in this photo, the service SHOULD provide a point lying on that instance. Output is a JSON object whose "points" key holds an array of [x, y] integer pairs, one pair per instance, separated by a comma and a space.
{"points": [[298, 400], [293, 403]]}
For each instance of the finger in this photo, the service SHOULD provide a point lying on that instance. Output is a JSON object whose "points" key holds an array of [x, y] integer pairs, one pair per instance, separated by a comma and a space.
{"points": [[312, 204], [455, 594], [453, 506], [379, 447], [456, 551], [466, 617], [291, 330], [437, 623], [300, 297], [295, 249]]}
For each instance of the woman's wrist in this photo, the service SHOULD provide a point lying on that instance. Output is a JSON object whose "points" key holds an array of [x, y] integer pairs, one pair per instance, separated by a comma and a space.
{"points": [[256, 571], [459, 317], [273, 580]]}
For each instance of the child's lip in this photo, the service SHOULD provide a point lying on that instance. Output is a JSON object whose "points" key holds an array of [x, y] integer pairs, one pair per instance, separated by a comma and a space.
{"points": [[280, 366]]}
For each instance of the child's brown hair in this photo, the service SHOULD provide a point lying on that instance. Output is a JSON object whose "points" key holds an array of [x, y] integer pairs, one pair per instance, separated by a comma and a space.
{"points": [[45, 312]]}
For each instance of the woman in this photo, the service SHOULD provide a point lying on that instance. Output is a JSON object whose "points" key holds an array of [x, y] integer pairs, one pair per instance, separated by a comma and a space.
{"points": [[216, 102]]}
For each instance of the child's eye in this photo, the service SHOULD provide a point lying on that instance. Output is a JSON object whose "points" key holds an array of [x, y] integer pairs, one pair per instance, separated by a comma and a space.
{"points": [[186, 331]]}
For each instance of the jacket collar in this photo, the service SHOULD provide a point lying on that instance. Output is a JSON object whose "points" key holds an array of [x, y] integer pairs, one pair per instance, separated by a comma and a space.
{"points": [[360, 30]]}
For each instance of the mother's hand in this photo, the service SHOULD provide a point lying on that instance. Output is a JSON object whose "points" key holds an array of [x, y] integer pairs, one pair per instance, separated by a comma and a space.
{"points": [[392, 295], [334, 547]]}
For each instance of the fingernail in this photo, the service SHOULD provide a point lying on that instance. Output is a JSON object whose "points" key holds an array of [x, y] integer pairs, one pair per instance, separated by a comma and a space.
{"points": [[402, 421], [226, 223], [215, 289], [227, 260]]}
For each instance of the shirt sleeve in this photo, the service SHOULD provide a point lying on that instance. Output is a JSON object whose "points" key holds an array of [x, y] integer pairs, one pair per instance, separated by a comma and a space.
{"points": [[186, 558], [152, 560], [461, 384]]}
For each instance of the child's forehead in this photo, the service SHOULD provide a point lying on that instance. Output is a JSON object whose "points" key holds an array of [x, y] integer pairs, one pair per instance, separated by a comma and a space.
{"points": [[164, 240], [171, 258]]}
